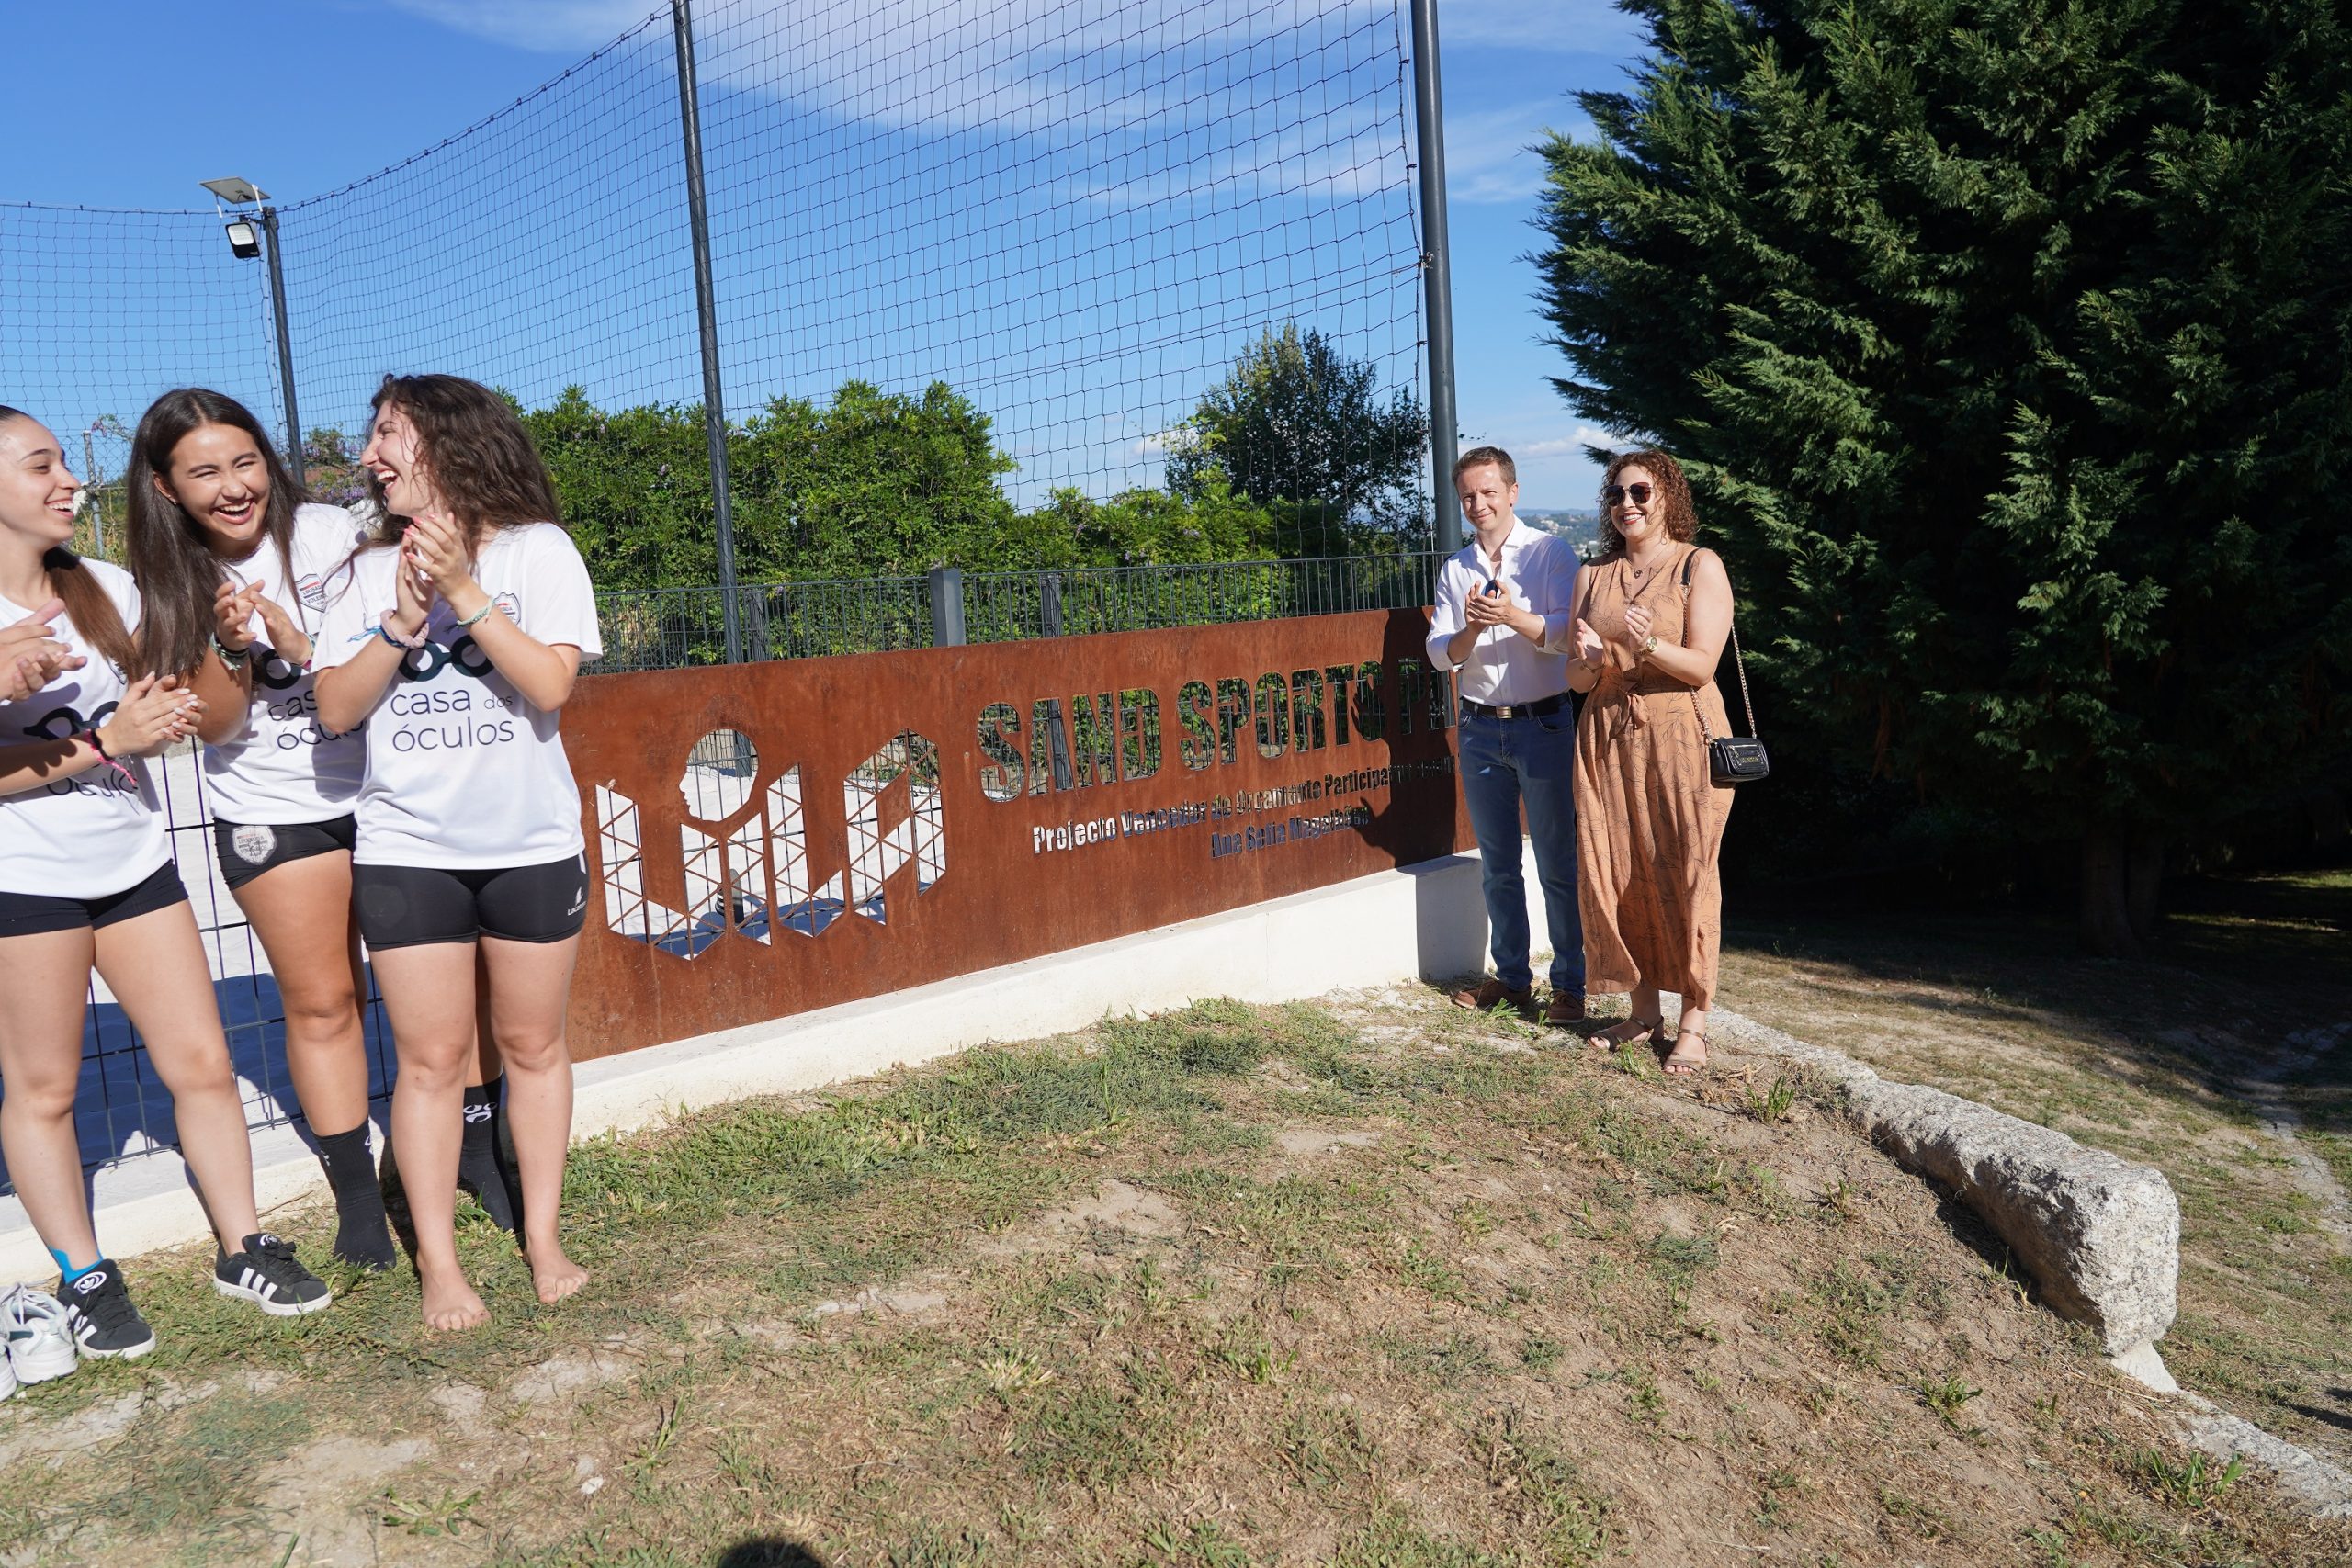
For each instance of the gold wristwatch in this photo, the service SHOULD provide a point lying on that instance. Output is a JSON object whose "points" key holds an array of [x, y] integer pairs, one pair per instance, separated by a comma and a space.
{"points": [[1649, 644]]}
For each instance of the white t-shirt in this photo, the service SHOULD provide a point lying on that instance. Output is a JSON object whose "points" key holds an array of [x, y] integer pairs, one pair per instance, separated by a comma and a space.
{"points": [[285, 769], [463, 774], [96, 832]]}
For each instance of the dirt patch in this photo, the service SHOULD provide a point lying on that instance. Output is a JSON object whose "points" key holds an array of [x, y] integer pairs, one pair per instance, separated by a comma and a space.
{"points": [[1322, 1140], [320, 1493]]}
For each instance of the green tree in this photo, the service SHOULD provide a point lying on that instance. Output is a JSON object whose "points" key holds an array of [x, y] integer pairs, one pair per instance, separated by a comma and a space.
{"points": [[1295, 421], [635, 486], [2008, 346], [868, 484], [873, 483]]}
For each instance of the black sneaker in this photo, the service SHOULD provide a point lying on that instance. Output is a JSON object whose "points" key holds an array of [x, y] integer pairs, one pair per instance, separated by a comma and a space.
{"points": [[99, 1310], [266, 1274]]}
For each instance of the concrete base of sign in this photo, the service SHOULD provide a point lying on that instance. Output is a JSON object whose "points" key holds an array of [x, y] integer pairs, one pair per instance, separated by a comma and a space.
{"points": [[1426, 919]]}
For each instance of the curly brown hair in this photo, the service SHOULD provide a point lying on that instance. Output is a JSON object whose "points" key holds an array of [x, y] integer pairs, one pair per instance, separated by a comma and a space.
{"points": [[1673, 498], [472, 444]]}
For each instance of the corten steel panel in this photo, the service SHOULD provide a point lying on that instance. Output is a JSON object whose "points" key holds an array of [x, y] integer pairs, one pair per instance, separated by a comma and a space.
{"points": [[997, 898]]}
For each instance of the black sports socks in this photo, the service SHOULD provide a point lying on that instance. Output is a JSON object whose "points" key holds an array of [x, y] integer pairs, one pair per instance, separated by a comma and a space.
{"points": [[361, 1233], [480, 1170]]}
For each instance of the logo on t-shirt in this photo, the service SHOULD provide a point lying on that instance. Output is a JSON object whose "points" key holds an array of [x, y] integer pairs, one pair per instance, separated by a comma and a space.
{"points": [[311, 589], [510, 604], [64, 722]]}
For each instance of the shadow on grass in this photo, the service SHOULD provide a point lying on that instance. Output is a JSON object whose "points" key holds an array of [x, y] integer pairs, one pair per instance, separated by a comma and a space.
{"points": [[2246, 963], [768, 1551]]}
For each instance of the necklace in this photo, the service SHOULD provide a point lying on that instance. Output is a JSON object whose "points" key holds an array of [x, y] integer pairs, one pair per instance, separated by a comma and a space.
{"points": [[1660, 560]]}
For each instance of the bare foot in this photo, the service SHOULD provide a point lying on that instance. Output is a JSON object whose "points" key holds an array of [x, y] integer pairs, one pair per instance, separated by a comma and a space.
{"points": [[555, 1275], [450, 1303]]}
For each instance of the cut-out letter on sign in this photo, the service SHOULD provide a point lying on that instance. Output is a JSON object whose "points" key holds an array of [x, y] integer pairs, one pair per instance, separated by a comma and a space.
{"points": [[628, 911], [875, 854]]}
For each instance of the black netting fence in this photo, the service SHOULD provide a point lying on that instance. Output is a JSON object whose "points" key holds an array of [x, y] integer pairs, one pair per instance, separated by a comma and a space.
{"points": [[981, 269], [1113, 304]]}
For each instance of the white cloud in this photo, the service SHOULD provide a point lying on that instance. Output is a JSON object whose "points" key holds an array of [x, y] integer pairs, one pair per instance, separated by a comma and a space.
{"points": [[1488, 151], [1159, 442], [553, 27], [1568, 445], [1549, 27]]}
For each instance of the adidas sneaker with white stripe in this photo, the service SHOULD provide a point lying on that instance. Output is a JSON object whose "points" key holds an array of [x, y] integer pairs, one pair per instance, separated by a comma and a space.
{"points": [[266, 1274], [40, 1342], [98, 1311]]}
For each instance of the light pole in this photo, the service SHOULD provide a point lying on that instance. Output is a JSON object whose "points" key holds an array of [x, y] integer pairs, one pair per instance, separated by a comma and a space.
{"points": [[713, 403], [245, 245], [1437, 276]]}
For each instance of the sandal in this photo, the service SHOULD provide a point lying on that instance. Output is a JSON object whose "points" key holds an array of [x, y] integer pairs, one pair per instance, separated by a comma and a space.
{"points": [[1684, 1064], [1619, 1035]]}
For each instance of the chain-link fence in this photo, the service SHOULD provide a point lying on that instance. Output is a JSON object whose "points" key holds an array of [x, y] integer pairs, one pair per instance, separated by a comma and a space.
{"points": [[1062, 254], [1139, 238], [668, 628]]}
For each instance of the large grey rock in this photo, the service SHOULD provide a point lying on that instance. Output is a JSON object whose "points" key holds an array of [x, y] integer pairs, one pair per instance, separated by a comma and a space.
{"points": [[2101, 1234]]}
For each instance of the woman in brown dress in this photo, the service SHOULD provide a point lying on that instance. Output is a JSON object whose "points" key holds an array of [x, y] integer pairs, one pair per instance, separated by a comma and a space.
{"points": [[1652, 618]]}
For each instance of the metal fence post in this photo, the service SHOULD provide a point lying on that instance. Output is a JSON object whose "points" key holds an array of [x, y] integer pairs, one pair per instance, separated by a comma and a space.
{"points": [[946, 606], [714, 405], [294, 459], [1437, 279], [1049, 603]]}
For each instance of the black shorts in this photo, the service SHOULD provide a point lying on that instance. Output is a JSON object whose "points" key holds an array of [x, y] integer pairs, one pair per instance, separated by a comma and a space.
{"points": [[22, 914], [408, 906], [246, 850]]}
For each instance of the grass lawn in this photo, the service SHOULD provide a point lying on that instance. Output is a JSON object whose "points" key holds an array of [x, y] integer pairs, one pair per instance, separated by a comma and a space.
{"points": [[2225, 1061], [1368, 1281]]}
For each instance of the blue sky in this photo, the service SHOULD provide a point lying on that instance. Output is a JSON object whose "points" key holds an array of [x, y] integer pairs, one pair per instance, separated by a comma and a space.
{"points": [[306, 95]]}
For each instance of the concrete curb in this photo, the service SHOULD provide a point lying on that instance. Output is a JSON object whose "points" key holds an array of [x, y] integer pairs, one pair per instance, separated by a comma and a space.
{"points": [[2101, 1234], [2320, 1485]]}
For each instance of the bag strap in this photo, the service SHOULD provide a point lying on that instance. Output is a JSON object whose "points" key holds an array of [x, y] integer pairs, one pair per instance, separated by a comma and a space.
{"points": [[1738, 663]]}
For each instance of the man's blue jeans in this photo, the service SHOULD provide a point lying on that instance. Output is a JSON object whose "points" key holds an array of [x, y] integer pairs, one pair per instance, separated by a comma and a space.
{"points": [[1506, 762]]}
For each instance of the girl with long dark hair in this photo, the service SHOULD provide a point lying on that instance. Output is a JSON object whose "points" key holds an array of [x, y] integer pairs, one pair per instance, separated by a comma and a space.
{"points": [[458, 646], [236, 566], [86, 881]]}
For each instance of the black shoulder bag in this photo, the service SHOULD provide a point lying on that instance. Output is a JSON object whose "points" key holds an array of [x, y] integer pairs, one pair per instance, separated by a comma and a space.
{"points": [[1731, 758]]}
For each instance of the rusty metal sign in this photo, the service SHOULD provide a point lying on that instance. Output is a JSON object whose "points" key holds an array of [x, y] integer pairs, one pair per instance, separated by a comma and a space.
{"points": [[773, 837]]}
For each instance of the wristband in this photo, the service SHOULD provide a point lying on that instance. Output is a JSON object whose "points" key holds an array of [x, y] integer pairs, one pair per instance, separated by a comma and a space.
{"points": [[479, 616], [404, 643], [91, 734], [235, 657]]}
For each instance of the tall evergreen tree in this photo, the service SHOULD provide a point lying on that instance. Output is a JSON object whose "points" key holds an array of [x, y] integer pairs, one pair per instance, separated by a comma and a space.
{"points": [[2010, 345]]}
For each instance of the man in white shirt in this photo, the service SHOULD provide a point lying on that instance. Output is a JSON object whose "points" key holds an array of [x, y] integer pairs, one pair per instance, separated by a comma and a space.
{"points": [[1505, 623]]}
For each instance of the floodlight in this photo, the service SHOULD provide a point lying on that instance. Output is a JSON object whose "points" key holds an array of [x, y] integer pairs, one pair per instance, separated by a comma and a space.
{"points": [[244, 241], [239, 192]]}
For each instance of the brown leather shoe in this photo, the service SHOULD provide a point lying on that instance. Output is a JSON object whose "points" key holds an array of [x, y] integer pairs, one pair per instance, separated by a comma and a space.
{"points": [[1482, 997], [1564, 1008]]}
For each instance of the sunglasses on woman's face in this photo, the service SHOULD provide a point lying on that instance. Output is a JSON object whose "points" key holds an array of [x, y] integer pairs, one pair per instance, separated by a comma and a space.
{"points": [[1617, 495]]}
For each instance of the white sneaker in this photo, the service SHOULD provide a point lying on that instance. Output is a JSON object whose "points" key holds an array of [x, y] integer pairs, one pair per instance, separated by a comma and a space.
{"points": [[40, 1346], [7, 1380]]}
